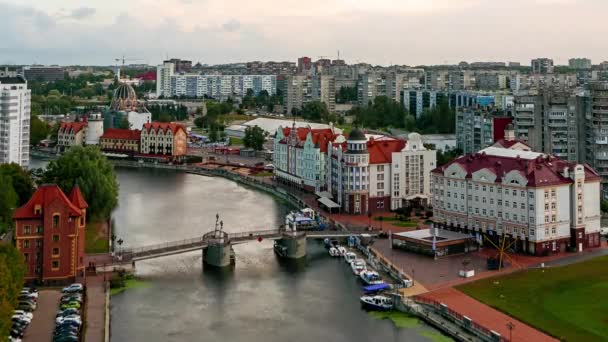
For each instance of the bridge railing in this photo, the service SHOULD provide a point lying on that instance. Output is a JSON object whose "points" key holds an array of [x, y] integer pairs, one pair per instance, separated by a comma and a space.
{"points": [[253, 234], [160, 246]]}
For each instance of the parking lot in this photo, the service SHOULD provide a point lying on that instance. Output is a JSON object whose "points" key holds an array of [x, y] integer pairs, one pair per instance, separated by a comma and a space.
{"points": [[43, 323]]}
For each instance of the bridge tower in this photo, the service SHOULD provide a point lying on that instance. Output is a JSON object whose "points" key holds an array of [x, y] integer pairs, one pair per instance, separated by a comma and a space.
{"points": [[291, 245], [219, 252]]}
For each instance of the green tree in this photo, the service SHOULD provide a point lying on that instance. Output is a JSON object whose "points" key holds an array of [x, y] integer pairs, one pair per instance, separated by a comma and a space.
{"points": [[164, 117], [39, 130], [88, 168], [213, 134], [12, 273], [54, 132], [604, 206], [20, 179], [254, 138], [124, 123], [315, 111], [8, 202], [199, 122], [346, 95]]}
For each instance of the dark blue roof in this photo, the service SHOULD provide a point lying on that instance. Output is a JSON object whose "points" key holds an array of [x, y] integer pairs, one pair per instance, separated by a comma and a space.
{"points": [[377, 287]]}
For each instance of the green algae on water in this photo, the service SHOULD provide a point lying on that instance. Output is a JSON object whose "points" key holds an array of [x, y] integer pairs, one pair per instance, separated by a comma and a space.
{"points": [[436, 336], [129, 284], [401, 319]]}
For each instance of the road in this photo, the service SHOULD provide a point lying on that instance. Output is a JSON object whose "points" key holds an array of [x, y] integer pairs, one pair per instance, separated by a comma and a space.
{"points": [[43, 324]]}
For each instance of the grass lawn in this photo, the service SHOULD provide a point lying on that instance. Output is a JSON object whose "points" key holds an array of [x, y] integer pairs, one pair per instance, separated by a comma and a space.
{"points": [[129, 284], [236, 141], [264, 174], [95, 242], [567, 302], [405, 224]]}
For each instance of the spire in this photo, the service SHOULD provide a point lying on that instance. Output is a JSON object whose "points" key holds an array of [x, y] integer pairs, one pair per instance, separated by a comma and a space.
{"points": [[77, 199]]}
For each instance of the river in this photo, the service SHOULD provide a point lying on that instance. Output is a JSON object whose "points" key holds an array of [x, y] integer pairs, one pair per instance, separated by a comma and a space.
{"points": [[262, 299]]}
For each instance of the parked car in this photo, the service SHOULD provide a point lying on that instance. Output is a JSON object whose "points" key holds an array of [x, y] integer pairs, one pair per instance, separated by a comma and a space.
{"points": [[68, 312], [66, 330], [16, 333], [17, 318], [604, 231], [68, 323], [32, 295], [70, 305], [76, 287], [71, 299], [67, 338], [26, 306], [75, 318], [23, 313]]}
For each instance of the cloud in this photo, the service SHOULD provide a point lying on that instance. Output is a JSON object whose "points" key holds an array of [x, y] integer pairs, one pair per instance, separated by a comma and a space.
{"points": [[231, 25], [82, 12]]}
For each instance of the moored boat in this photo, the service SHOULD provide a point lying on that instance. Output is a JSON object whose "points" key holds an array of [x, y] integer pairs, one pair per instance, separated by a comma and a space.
{"points": [[378, 303], [370, 278], [349, 257], [333, 251], [358, 266]]}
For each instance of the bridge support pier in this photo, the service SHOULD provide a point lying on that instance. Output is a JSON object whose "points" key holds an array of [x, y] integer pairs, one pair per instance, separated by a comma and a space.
{"points": [[218, 255], [291, 245]]}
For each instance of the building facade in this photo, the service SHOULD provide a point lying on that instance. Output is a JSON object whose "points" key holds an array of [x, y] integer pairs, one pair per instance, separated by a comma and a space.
{"points": [[324, 90], [164, 139], [71, 134], [477, 128], [44, 73], [50, 233], [541, 204], [597, 129], [579, 63], [542, 66], [123, 141], [15, 102], [297, 92]]}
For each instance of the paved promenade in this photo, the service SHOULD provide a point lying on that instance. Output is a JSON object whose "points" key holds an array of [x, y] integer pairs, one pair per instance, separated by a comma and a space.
{"points": [[96, 309], [487, 316]]}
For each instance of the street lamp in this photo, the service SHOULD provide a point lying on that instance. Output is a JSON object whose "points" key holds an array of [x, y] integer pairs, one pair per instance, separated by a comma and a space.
{"points": [[413, 277], [510, 326], [120, 241]]}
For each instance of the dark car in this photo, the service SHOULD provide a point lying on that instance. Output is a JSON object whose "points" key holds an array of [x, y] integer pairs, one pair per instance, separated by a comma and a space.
{"points": [[66, 330], [68, 323], [67, 312], [67, 338], [17, 333]]}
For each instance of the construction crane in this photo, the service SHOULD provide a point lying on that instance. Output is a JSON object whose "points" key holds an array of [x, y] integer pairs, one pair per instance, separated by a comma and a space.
{"points": [[123, 59]]}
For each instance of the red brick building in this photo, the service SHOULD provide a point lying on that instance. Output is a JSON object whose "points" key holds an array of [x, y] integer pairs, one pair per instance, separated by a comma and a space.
{"points": [[50, 233]]}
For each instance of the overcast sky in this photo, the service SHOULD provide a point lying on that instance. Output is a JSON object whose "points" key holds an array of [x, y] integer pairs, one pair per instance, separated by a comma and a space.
{"points": [[381, 32]]}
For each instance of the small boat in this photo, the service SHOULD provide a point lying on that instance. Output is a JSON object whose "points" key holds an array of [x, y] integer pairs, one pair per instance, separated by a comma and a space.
{"points": [[371, 278], [358, 266], [349, 257], [327, 243], [374, 289], [378, 303], [341, 250], [333, 251]]}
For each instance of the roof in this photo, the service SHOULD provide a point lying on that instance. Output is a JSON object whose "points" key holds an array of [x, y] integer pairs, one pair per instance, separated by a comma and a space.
{"points": [[45, 195], [163, 126], [271, 125], [77, 199], [76, 126], [123, 134], [12, 80], [537, 168], [426, 235], [381, 150], [328, 203], [509, 143], [356, 134], [320, 137]]}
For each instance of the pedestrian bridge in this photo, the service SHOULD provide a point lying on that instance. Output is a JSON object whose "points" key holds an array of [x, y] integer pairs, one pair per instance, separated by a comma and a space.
{"points": [[129, 255]]}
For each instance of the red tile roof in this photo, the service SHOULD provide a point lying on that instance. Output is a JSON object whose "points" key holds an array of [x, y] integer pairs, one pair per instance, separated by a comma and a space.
{"points": [[122, 134], [163, 126], [381, 151], [77, 198], [320, 136], [76, 126], [44, 195], [509, 143], [542, 171]]}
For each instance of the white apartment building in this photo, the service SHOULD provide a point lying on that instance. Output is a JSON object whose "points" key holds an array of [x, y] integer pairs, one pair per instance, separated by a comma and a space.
{"points": [[540, 203], [15, 102]]}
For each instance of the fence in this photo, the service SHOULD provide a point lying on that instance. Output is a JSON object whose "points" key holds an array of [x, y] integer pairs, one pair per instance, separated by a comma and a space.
{"points": [[461, 320]]}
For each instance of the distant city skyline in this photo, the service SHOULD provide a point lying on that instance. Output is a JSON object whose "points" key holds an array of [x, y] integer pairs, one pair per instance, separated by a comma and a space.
{"points": [[381, 32]]}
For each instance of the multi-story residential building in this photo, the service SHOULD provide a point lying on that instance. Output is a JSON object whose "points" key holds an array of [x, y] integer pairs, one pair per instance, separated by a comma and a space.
{"points": [[44, 73], [490, 81], [478, 128], [180, 65], [437, 79], [540, 203], [579, 63], [519, 82], [164, 139], [50, 233], [597, 129], [369, 86], [324, 90], [460, 79], [300, 155], [542, 66], [549, 121], [71, 134], [416, 100], [297, 92], [164, 72], [304, 64], [123, 141], [15, 102]]}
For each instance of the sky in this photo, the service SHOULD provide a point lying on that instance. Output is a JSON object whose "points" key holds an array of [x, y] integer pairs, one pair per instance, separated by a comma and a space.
{"points": [[382, 32]]}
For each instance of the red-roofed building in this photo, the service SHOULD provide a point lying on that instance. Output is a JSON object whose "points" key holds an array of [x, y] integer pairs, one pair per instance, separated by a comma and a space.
{"points": [[50, 233], [164, 139], [542, 204], [117, 140], [71, 134]]}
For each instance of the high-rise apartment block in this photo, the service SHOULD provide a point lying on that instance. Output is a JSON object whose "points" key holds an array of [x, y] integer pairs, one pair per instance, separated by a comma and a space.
{"points": [[15, 102], [43, 73], [297, 92], [579, 63], [324, 90], [542, 66]]}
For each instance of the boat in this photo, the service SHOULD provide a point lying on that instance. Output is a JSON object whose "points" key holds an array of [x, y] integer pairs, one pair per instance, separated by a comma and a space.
{"points": [[374, 289], [349, 257], [330, 243], [305, 219], [341, 250], [358, 266], [377, 303], [333, 251], [371, 278]]}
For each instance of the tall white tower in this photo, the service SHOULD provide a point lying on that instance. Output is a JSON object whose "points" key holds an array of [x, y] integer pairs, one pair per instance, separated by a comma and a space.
{"points": [[94, 129], [15, 102]]}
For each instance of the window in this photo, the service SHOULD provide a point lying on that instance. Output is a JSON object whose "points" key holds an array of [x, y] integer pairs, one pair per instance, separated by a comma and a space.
{"points": [[500, 214], [552, 192], [492, 213], [483, 211], [499, 202], [546, 206], [514, 192], [26, 256], [380, 177], [523, 206], [531, 194], [470, 197], [531, 219], [491, 201], [515, 205], [476, 187], [515, 217], [56, 238], [499, 190], [552, 218], [449, 194], [491, 189], [507, 204], [483, 188], [476, 198], [546, 218], [531, 232], [39, 230], [523, 193], [546, 194], [506, 216], [55, 251], [553, 206], [553, 230], [55, 264], [27, 229], [26, 243], [380, 186], [476, 210], [531, 206], [55, 221], [461, 196], [483, 200]]}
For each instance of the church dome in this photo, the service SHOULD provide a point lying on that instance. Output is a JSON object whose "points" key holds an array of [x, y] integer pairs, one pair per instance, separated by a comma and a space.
{"points": [[356, 135], [124, 98]]}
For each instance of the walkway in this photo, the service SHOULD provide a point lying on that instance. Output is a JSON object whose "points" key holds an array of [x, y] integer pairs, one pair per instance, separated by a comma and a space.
{"points": [[43, 323], [96, 309], [487, 316]]}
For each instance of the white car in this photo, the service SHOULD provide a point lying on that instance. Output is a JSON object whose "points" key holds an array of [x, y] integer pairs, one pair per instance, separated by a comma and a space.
{"points": [[604, 231], [22, 318], [71, 318], [23, 313], [76, 287], [29, 294]]}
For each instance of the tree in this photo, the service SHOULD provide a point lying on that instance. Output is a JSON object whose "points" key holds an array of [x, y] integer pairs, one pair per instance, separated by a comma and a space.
{"points": [[382, 112], [315, 111], [124, 123], [92, 172], [39, 130], [12, 273], [213, 135], [164, 117], [20, 179], [198, 122], [604, 206], [8, 202], [254, 138], [346, 95]]}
